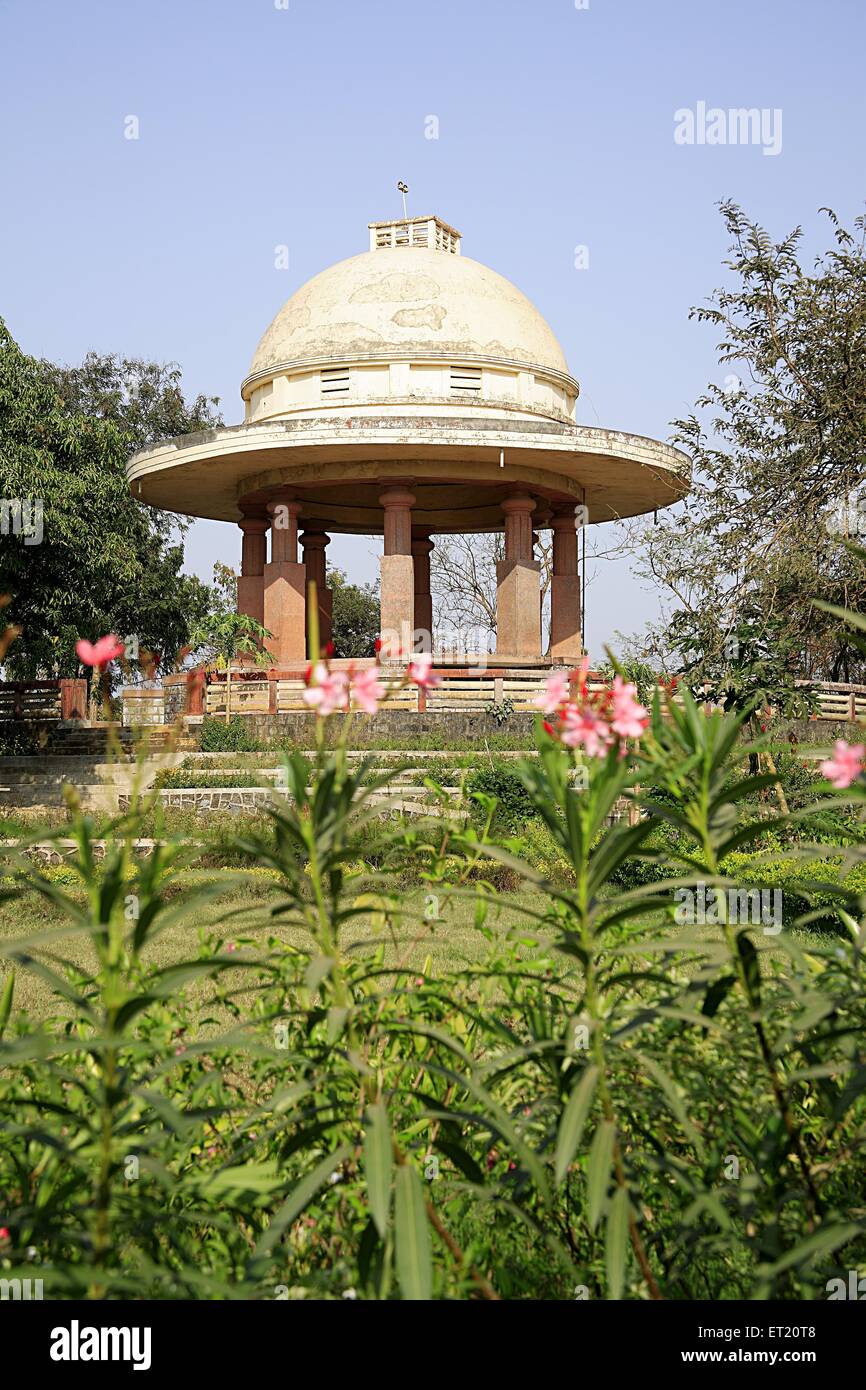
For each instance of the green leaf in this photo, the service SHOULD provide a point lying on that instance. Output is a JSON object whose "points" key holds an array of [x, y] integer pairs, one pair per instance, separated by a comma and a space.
{"points": [[461, 1159], [573, 1120], [378, 1165], [751, 967], [598, 1174], [822, 1242], [413, 1254], [715, 995], [6, 1001], [616, 1242], [249, 1177]]}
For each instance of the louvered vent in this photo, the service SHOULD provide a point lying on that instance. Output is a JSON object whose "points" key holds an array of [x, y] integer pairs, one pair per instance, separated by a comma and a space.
{"points": [[466, 380], [335, 382]]}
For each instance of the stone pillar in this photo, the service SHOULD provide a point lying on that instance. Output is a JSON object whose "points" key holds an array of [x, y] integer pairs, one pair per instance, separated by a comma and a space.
{"points": [[314, 542], [251, 591], [422, 548], [518, 611], [565, 635], [397, 589], [285, 586]]}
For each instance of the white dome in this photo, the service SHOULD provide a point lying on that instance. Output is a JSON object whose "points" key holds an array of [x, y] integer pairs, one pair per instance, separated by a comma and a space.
{"points": [[412, 301]]}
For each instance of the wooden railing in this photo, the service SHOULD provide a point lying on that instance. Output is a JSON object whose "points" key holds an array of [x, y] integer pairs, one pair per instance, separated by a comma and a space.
{"points": [[38, 701], [282, 692]]}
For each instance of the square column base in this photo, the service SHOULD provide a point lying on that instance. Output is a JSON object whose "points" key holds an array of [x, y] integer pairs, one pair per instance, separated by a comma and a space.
{"points": [[286, 610], [565, 635], [251, 596], [424, 619], [326, 610], [518, 608], [397, 602]]}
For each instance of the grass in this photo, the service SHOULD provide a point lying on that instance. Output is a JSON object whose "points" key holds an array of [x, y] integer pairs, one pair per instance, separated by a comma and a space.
{"points": [[242, 914]]}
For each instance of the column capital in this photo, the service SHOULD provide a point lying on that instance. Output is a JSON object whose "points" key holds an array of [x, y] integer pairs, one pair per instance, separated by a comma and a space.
{"points": [[396, 498], [314, 538], [253, 525], [518, 504]]}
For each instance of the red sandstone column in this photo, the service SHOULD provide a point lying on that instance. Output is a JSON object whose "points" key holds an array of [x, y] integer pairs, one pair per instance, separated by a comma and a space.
{"points": [[422, 548], [285, 585], [251, 594], [397, 590], [518, 611], [565, 636], [314, 542]]}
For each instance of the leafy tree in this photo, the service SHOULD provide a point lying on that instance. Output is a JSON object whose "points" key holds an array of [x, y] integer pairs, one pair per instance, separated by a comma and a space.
{"points": [[224, 635], [104, 562], [355, 625], [779, 465]]}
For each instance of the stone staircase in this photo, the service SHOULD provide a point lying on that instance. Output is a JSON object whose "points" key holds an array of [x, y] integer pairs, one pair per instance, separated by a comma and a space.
{"points": [[104, 784], [100, 763]]}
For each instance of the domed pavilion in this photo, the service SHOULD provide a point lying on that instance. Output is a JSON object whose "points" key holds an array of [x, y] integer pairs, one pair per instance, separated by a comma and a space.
{"points": [[411, 392]]}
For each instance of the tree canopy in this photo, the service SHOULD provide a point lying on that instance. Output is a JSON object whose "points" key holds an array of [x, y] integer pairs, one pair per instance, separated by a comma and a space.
{"points": [[779, 470], [104, 562], [355, 616]]}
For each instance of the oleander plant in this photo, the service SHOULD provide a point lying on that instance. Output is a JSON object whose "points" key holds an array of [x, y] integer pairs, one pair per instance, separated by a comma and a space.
{"points": [[288, 1081]]}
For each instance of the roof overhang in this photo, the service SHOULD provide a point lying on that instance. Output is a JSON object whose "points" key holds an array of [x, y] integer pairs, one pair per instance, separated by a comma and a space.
{"points": [[460, 469]]}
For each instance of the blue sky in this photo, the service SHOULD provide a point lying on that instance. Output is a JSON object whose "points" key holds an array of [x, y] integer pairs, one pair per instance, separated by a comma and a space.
{"points": [[261, 125]]}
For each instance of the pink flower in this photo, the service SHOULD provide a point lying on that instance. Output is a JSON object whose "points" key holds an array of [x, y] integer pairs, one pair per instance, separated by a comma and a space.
{"points": [[629, 717], [555, 693], [4, 1232], [99, 653], [582, 726], [419, 671], [368, 690], [845, 765], [329, 690]]}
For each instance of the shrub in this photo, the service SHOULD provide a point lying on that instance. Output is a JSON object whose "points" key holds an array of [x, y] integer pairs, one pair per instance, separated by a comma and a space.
{"points": [[20, 740], [500, 782], [217, 736], [175, 778], [808, 885]]}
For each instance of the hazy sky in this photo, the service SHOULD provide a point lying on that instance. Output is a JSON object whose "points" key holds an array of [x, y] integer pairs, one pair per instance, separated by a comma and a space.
{"points": [[264, 124]]}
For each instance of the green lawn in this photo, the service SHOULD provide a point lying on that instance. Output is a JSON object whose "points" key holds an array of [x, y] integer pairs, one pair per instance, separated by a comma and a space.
{"points": [[243, 914]]}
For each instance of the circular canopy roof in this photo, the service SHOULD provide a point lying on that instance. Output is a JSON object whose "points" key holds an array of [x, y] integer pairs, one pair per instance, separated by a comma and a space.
{"points": [[415, 300], [458, 468]]}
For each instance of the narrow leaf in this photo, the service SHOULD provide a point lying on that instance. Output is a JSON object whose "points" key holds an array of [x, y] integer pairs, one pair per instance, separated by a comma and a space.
{"points": [[598, 1175], [414, 1262], [573, 1120], [616, 1242], [378, 1165]]}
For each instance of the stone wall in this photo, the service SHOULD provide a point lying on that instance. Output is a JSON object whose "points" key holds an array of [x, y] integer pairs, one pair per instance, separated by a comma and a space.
{"points": [[298, 726], [475, 725]]}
